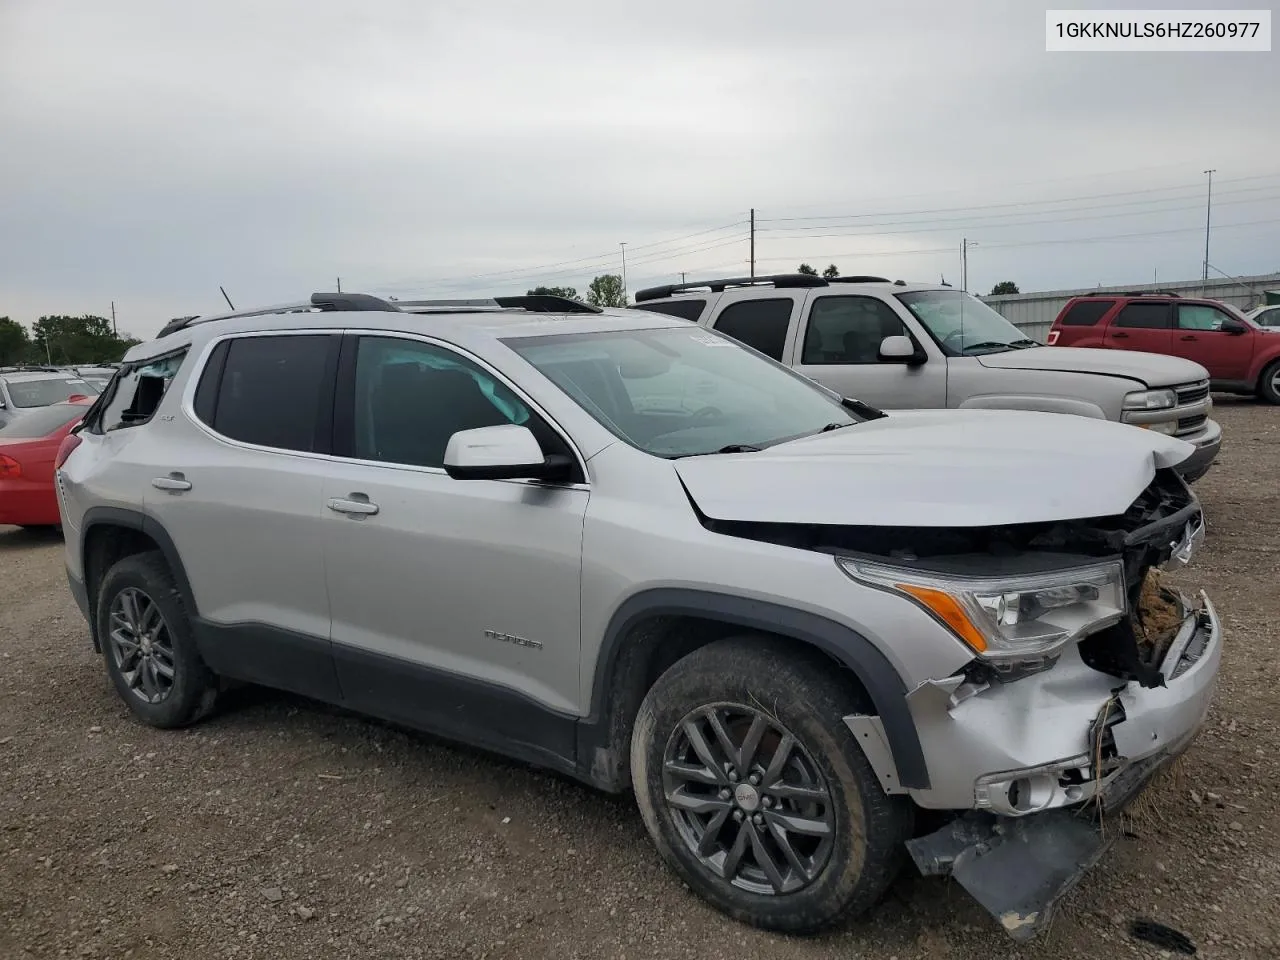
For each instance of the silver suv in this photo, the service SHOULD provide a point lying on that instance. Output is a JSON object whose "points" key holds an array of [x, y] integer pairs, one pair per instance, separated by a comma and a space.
{"points": [[924, 346], [629, 549]]}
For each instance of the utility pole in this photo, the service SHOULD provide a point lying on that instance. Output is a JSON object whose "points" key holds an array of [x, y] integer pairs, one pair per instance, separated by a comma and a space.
{"points": [[1208, 208], [753, 243], [624, 273], [964, 264], [682, 276], [113, 319]]}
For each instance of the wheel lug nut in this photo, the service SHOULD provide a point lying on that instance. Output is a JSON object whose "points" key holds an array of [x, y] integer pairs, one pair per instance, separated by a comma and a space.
{"points": [[758, 819], [766, 802], [754, 779], [733, 776], [725, 794], [738, 815]]}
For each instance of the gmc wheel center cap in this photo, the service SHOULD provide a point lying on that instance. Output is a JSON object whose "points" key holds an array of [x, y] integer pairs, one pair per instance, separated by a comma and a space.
{"points": [[746, 797]]}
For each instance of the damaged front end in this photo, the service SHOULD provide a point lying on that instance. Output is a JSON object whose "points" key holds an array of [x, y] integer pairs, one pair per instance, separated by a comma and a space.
{"points": [[1092, 677]]}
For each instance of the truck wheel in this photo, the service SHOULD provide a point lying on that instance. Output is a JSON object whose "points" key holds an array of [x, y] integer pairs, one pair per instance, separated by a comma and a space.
{"points": [[756, 793], [147, 643], [1269, 383]]}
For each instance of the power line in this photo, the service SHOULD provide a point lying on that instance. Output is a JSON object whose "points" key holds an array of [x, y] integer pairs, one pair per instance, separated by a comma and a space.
{"points": [[1015, 203], [933, 225]]}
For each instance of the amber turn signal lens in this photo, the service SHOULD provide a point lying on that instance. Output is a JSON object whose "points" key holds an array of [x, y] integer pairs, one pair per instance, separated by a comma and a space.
{"points": [[947, 609]]}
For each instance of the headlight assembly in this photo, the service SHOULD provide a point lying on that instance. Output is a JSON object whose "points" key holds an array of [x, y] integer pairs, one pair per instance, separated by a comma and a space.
{"points": [[1150, 400], [1005, 617]]}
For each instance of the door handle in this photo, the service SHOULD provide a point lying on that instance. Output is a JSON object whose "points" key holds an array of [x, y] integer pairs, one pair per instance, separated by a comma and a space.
{"points": [[1189, 337], [353, 507], [174, 481], [1120, 336]]}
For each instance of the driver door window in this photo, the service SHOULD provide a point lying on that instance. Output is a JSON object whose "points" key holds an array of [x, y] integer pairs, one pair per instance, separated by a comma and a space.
{"points": [[411, 397], [849, 330]]}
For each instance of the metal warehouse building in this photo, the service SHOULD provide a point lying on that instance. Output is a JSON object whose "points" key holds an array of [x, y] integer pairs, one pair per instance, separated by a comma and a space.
{"points": [[1034, 312]]}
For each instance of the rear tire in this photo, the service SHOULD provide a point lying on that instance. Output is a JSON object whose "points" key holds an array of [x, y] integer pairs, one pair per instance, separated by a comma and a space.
{"points": [[148, 645], [819, 815], [1269, 383]]}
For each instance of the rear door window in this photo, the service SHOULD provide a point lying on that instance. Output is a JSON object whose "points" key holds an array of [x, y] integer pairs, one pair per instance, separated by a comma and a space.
{"points": [[761, 324], [1086, 313], [273, 391], [1145, 316]]}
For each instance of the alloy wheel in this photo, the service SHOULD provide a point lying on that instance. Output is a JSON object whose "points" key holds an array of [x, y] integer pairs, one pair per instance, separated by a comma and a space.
{"points": [[141, 646], [747, 799]]}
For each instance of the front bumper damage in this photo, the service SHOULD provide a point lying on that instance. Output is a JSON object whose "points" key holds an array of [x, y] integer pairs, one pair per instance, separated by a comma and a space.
{"points": [[1033, 830]]}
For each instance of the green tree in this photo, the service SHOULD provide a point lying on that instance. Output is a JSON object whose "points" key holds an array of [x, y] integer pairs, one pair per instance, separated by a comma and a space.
{"points": [[831, 272], [14, 342], [76, 340], [807, 270], [570, 292], [1004, 286], [606, 291]]}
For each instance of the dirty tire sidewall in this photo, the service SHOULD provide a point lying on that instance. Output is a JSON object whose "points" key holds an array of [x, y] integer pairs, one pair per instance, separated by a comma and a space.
{"points": [[1266, 383], [195, 686], [808, 698]]}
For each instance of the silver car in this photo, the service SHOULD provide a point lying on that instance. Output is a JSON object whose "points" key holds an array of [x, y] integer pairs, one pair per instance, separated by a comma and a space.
{"points": [[627, 548], [22, 391]]}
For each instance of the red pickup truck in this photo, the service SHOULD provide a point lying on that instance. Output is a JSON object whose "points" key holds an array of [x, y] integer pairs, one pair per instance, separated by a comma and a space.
{"points": [[1239, 355]]}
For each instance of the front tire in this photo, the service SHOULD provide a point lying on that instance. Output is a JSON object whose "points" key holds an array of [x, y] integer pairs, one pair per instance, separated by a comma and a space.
{"points": [[756, 793], [148, 645], [1269, 383]]}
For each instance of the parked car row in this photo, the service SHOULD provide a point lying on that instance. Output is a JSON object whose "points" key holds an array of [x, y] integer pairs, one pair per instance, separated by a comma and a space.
{"points": [[23, 391], [629, 548], [924, 346]]}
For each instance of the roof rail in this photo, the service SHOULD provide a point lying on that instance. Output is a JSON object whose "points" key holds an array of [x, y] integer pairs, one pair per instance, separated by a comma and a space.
{"points": [[779, 280], [1134, 293], [324, 302], [858, 279], [532, 303]]}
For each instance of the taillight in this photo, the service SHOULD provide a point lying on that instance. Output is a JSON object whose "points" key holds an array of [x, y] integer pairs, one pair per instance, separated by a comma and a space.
{"points": [[69, 443], [10, 469], [1053, 337]]}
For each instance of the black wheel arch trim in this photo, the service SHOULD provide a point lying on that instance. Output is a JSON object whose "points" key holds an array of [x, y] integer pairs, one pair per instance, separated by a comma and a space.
{"points": [[150, 527], [882, 682]]}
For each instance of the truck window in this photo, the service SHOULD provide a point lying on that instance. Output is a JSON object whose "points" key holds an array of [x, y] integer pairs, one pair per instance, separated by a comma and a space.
{"points": [[1199, 316], [849, 330], [761, 324], [1145, 316], [1085, 313], [684, 309]]}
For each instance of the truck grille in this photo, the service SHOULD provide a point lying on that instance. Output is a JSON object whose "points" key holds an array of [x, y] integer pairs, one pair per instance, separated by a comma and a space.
{"points": [[1192, 392]]}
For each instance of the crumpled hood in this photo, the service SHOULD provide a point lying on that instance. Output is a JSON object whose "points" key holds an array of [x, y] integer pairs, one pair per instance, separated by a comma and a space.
{"points": [[941, 468], [1151, 369]]}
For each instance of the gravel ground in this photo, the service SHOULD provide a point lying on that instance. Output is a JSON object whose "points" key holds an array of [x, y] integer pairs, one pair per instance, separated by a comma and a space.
{"points": [[280, 828]]}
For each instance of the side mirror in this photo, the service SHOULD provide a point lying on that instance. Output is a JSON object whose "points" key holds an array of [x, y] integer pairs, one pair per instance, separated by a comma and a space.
{"points": [[1233, 326], [899, 349], [506, 452]]}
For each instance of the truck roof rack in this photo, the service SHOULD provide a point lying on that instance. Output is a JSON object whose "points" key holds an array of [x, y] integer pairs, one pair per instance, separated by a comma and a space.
{"points": [[1133, 293], [858, 279], [531, 303], [778, 280], [324, 302]]}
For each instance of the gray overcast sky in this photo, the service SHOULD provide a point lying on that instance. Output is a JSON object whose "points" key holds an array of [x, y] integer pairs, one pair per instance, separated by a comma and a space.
{"points": [[152, 150]]}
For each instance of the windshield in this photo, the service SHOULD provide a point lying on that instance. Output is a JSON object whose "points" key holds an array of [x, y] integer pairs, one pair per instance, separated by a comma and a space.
{"points": [[41, 423], [41, 393], [683, 392], [963, 324]]}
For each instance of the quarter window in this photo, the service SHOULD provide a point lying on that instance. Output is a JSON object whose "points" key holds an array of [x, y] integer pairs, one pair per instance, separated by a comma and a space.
{"points": [[684, 309], [761, 324], [138, 390], [849, 330], [271, 391]]}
